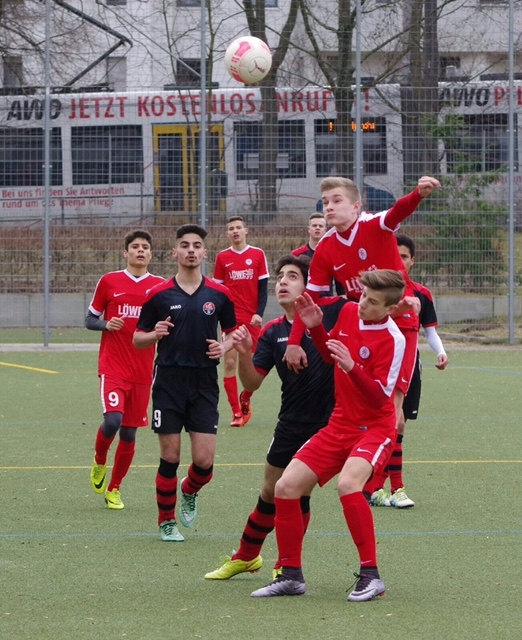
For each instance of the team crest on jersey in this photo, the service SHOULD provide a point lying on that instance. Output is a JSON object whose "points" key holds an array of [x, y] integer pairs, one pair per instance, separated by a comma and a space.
{"points": [[209, 308], [248, 261], [362, 254], [364, 353]]}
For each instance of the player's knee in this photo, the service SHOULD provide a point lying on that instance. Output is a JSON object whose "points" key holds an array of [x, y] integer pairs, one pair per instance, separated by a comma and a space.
{"points": [[287, 488], [267, 492], [128, 434], [350, 484], [111, 423]]}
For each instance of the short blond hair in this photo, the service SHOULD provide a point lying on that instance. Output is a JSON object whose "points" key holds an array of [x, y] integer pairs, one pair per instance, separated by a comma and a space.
{"points": [[351, 189], [387, 280]]}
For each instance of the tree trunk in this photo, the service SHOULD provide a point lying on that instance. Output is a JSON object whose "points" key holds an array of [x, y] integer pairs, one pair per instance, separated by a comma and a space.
{"points": [[269, 149], [419, 96]]}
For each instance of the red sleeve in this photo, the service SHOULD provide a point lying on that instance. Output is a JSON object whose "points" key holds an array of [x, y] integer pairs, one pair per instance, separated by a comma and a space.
{"points": [[298, 326], [320, 336], [99, 299], [219, 271], [263, 265], [300, 250], [403, 208], [320, 273], [371, 389]]}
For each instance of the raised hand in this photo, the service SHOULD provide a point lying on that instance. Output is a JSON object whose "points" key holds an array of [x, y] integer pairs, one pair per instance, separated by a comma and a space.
{"points": [[309, 312], [426, 185]]}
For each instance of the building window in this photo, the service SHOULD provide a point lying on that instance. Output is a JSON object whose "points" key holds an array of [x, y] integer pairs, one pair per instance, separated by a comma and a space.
{"points": [[478, 143], [116, 3], [329, 146], [107, 155], [188, 72], [291, 158], [449, 67], [13, 71], [22, 157], [117, 73]]}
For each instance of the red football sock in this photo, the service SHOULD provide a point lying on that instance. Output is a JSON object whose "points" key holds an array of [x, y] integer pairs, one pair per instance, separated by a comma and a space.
{"points": [[197, 478], [377, 481], [246, 395], [289, 528], [259, 524], [395, 466], [122, 462], [166, 497], [101, 447], [359, 518], [232, 392], [305, 510]]}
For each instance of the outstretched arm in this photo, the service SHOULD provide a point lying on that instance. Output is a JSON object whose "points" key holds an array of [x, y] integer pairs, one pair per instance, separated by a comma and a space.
{"points": [[406, 205]]}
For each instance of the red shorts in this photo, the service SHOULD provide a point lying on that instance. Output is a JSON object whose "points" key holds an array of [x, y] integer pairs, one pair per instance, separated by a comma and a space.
{"points": [[408, 362], [253, 331], [129, 398], [327, 451]]}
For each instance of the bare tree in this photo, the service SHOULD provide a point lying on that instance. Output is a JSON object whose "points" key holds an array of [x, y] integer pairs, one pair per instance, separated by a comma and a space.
{"points": [[338, 70], [256, 19], [419, 93], [78, 43]]}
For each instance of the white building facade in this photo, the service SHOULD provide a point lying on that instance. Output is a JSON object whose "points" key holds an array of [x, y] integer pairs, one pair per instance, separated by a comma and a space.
{"points": [[160, 41], [126, 109]]}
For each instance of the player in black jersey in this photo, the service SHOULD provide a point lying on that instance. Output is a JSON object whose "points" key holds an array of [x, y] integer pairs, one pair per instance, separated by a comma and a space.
{"points": [[182, 317], [306, 403]]}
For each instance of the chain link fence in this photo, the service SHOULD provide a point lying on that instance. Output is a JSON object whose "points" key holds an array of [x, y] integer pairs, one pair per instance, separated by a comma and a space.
{"points": [[121, 161]]}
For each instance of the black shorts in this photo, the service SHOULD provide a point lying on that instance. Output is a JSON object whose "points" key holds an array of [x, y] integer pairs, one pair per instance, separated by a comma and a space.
{"points": [[185, 397], [288, 439], [411, 403]]}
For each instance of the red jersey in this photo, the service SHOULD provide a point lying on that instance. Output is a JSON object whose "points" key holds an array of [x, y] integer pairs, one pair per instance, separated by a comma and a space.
{"points": [[367, 245], [119, 293], [305, 250], [240, 272], [364, 396]]}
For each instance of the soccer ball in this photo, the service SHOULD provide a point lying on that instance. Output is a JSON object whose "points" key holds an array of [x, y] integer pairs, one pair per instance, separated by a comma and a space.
{"points": [[248, 59]]}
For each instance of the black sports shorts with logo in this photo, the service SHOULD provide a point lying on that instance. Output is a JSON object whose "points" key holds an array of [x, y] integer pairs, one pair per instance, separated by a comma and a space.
{"points": [[411, 403], [288, 439], [185, 397]]}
